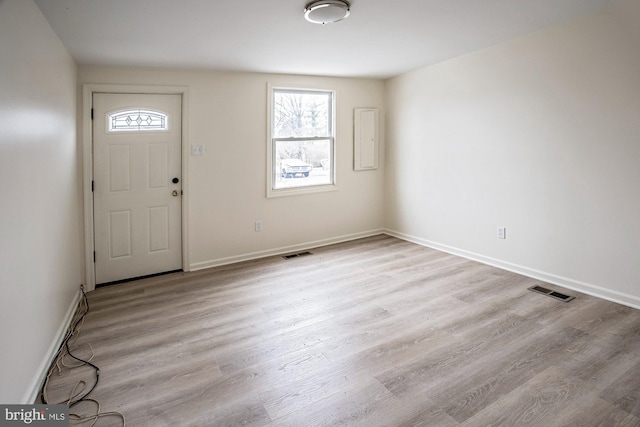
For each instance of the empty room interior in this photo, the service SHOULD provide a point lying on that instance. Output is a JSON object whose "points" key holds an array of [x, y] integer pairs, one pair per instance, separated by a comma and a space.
{"points": [[294, 213]]}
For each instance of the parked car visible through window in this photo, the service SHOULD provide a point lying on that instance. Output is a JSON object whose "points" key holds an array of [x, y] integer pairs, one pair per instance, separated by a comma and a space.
{"points": [[294, 168]]}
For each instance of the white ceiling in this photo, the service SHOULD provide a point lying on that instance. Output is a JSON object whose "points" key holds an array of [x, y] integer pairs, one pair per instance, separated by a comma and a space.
{"points": [[380, 39]]}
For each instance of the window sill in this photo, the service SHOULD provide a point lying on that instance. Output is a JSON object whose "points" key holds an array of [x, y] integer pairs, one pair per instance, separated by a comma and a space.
{"points": [[297, 191]]}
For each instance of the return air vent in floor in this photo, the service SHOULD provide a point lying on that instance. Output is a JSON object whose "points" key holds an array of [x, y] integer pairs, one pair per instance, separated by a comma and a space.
{"points": [[550, 293], [297, 255]]}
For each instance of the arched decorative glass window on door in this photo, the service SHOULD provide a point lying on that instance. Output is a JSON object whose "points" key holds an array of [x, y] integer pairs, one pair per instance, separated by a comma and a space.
{"points": [[137, 121]]}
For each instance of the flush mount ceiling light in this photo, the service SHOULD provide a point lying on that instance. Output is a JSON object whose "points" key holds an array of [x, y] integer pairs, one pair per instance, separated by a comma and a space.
{"points": [[326, 11]]}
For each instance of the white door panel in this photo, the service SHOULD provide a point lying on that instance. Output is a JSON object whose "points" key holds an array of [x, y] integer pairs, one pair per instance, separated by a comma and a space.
{"points": [[119, 168], [159, 228], [137, 206], [119, 229], [158, 161]]}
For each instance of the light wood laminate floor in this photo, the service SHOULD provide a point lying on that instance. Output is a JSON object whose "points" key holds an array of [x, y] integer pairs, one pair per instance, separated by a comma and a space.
{"points": [[374, 332]]}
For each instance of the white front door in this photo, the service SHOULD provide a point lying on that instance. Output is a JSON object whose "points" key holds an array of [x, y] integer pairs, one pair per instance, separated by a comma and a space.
{"points": [[137, 176]]}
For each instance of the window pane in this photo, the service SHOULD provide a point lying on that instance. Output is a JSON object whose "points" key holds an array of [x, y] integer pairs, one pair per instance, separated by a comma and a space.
{"points": [[137, 120], [302, 163], [301, 114]]}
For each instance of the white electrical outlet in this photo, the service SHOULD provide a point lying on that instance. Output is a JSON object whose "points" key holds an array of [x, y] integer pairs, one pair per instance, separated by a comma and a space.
{"points": [[258, 225], [502, 232], [197, 149]]}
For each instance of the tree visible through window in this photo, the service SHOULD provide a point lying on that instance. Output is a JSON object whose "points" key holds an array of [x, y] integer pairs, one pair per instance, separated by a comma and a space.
{"points": [[302, 138]]}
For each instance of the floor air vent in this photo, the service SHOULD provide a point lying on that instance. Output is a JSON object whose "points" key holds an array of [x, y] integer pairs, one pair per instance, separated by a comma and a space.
{"points": [[550, 293], [297, 255]]}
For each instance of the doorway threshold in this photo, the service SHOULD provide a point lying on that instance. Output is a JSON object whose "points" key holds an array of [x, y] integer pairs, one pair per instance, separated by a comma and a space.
{"points": [[117, 282]]}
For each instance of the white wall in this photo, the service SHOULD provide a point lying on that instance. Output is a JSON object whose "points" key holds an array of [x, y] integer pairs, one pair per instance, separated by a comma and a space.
{"points": [[227, 112], [541, 135], [41, 223]]}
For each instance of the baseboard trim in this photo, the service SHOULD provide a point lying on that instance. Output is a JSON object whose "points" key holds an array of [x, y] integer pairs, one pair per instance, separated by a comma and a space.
{"points": [[283, 250], [565, 282], [34, 389]]}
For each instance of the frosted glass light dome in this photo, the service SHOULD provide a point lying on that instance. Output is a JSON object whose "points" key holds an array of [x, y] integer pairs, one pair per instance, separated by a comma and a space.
{"points": [[326, 11]]}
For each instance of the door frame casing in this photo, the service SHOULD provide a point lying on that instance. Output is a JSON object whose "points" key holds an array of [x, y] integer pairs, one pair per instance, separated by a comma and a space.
{"points": [[88, 90]]}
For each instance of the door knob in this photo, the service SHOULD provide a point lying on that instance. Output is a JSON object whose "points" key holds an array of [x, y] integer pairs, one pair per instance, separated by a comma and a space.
{"points": [[175, 193]]}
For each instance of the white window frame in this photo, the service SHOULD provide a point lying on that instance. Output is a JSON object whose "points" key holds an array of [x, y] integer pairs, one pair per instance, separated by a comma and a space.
{"points": [[271, 154]]}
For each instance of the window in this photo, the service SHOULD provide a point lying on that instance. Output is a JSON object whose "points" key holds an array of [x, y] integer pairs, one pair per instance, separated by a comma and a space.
{"points": [[302, 140], [137, 120]]}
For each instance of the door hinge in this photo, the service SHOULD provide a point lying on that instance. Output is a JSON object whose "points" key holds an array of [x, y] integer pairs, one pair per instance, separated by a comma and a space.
{"points": [[92, 186], [94, 256], [92, 114]]}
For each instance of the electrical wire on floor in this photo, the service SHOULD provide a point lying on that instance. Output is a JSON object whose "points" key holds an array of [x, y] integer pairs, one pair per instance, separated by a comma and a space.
{"points": [[64, 358]]}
